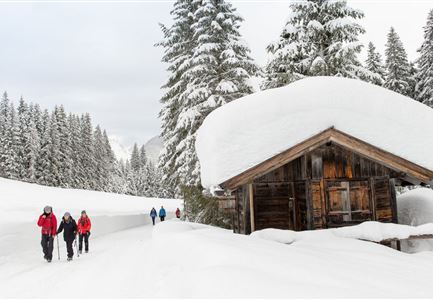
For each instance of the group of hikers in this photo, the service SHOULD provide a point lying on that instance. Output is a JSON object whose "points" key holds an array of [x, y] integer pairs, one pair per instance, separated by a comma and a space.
{"points": [[162, 214], [48, 223]]}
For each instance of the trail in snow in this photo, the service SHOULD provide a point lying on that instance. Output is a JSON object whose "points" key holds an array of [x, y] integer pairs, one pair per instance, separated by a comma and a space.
{"points": [[118, 264]]}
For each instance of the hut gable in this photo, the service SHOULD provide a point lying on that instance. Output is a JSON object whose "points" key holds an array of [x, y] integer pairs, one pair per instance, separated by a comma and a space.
{"points": [[408, 170]]}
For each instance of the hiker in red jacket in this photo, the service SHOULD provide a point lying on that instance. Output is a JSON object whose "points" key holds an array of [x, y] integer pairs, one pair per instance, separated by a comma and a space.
{"points": [[48, 222], [178, 213], [84, 225]]}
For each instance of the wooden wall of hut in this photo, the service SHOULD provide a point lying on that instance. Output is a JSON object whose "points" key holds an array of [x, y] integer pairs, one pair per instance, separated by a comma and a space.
{"points": [[328, 187]]}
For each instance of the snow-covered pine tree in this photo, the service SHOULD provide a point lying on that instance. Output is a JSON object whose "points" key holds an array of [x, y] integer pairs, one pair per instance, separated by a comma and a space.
{"points": [[320, 38], [424, 86], [374, 65], [87, 155], [397, 66], [64, 151], [219, 72], [23, 119], [31, 151], [43, 164], [110, 166], [4, 128], [100, 175], [178, 46], [135, 158]]}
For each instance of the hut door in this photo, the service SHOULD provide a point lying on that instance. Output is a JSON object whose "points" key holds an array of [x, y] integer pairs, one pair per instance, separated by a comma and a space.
{"points": [[298, 206], [347, 202]]}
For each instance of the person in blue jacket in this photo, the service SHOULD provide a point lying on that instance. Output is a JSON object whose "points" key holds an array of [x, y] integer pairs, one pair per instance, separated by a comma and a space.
{"points": [[153, 215], [162, 214]]}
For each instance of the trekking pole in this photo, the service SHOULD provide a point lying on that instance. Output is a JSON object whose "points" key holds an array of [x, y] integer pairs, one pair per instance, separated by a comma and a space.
{"points": [[58, 249], [76, 247]]}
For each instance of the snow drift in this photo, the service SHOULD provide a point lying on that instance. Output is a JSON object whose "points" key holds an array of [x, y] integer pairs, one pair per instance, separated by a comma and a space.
{"points": [[415, 208], [198, 261], [247, 131]]}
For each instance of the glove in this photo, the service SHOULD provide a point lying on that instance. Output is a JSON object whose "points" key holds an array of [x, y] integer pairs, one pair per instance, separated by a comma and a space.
{"points": [[88, 233]]}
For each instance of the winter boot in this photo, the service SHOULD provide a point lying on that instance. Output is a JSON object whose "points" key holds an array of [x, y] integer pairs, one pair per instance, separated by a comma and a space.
{"points": [[49, 260], [69, 258]]}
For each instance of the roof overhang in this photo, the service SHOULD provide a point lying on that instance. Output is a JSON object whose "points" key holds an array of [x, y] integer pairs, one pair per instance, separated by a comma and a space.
{"points": [[331, 134]]}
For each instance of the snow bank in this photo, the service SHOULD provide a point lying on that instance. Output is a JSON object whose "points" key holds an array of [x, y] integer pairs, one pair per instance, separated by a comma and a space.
{"points": [[247, 131], [368, 231], [377, 231], [22, 203], [203, 261], [415, 208]]}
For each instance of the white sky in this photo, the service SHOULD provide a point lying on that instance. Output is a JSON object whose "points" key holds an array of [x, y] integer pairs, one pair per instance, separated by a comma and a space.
{"points": [[98, 57]]}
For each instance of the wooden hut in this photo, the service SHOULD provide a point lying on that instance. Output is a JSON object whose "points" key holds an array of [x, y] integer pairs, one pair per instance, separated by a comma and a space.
{"points": [[319, 153], [329, 180]]}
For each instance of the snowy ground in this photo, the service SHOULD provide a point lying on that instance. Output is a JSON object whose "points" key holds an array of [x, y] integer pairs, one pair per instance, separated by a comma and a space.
{"points": [[179, 259]]}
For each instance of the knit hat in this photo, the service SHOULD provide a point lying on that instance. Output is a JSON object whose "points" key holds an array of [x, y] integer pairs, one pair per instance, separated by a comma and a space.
{"points": [[67, 214], [48, 209]]}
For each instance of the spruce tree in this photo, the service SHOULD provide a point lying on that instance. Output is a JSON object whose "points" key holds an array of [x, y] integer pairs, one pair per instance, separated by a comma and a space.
{"points": [[216, 72], [397, 66], [178, 44], [424, 86], [320, 38], [374, 65]]}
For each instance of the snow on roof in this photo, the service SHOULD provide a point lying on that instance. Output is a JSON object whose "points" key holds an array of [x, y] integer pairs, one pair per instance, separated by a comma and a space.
{"points": [[249, 130]]}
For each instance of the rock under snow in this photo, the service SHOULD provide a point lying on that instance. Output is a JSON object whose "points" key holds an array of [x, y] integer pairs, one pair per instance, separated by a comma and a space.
{"points": [[247, 131]]}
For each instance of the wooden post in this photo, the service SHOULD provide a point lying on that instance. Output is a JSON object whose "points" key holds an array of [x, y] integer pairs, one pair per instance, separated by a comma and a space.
{"points": [[393, 200], [251, 194]]}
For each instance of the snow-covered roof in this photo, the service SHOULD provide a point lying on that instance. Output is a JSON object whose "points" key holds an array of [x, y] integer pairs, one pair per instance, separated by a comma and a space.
{"points": [[252, 129]]}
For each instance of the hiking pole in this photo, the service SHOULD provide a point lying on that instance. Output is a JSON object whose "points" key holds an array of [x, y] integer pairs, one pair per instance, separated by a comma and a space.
{"points": [[76, 247], [58, 249]]}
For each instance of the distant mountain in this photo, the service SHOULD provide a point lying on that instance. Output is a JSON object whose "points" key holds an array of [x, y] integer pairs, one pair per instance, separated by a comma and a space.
{"points": [[153, 148], [120, 150]]}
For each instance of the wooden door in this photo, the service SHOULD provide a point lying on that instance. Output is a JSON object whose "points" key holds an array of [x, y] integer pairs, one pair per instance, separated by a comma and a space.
{"points": [[348, 202]]}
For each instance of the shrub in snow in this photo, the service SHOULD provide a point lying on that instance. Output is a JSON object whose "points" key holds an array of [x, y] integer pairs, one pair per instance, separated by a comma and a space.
{"points": [[202, 208]]}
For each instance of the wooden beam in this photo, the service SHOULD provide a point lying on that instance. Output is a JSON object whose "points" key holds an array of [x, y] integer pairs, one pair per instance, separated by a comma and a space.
{"points": [[347, 141], [251, 194]]}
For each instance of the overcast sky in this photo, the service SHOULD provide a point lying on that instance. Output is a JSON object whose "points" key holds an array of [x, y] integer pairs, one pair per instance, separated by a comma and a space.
{"points": [[98, 57]]}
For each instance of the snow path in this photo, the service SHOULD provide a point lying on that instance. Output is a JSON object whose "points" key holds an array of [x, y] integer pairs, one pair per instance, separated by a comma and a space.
{"points": [[110, 270]]}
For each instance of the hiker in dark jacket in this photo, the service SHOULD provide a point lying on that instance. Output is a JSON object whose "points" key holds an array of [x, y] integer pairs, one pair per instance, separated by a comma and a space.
{"points": [[162, 214], [153, 215], [69, 228]]}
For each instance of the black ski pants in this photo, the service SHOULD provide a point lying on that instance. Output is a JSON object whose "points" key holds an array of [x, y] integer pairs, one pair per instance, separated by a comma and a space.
{"points": [[153, 220], [69, 248], [162, 218], [47, 243], [86, 242]]}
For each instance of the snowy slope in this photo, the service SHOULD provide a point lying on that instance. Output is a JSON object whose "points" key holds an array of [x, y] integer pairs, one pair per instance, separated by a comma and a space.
{"points": [[247, 131], [22, 203]]}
